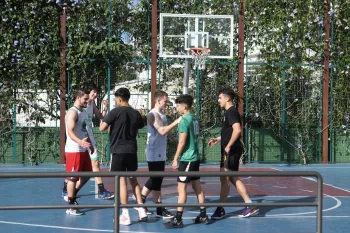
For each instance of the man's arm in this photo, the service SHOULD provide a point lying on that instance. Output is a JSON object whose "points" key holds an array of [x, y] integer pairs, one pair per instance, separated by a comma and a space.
{"points": [[213, 141], [107, 121], [90, 135], [156, 122], [71, 118], [97, 112], [180, 148], [103, 126]]}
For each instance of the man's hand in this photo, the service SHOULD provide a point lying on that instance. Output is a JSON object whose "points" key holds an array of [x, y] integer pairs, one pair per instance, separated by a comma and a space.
{"points": [[227, 149], [177, 121], [174, 165], [105, 104], [212, 142], [84, 143]]}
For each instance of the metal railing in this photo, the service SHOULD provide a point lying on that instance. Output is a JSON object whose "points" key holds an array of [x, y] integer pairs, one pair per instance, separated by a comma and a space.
{"points": [[117, 204]]}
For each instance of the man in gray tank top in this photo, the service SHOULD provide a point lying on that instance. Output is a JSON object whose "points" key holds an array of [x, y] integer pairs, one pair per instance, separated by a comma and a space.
{"points": [[158, 129]]}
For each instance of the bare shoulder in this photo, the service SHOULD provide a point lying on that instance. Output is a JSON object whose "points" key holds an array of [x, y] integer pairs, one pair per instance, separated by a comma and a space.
{"points": [[71, 114]]}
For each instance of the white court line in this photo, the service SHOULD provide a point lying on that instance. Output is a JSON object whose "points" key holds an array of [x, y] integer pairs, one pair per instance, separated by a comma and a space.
{"points": [[314, 179], [306, 190], [100, 230], [337, 205], [71, 228], [337, 187], [280, 187], [244, 178], [269, 216]]}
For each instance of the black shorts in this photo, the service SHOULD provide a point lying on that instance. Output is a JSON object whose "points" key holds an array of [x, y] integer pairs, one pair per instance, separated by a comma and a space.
{"points": [[188, 167], [156, 166], [124, 162], [230, 161]]}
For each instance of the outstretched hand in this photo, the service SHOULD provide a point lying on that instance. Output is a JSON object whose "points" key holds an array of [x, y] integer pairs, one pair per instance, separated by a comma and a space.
{"points": [[212, 142], [177, 121], [105, 103]]}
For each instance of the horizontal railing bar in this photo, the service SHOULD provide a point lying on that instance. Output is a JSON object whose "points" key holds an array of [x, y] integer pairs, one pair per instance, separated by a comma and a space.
{"points": [[155, 174], [104, 206], [284, 204]]}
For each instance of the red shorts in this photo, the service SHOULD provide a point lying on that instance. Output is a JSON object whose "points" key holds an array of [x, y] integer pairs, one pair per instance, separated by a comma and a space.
{"points": [[78, 162]]}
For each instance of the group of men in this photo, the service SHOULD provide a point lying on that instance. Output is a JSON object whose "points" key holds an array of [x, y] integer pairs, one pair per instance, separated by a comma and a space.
{"points": [[123, 123]]}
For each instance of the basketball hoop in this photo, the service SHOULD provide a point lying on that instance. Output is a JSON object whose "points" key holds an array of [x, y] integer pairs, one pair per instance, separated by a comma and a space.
{"points": [[200, 55]]}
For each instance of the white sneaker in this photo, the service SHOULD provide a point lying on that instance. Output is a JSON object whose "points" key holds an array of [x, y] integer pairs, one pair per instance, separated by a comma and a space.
{"points": [[72, 211], [142, 214], [124, 220]]}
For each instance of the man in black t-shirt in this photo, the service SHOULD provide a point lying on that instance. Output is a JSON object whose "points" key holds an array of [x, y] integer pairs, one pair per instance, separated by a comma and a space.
{"points": [[231, 152], [124, 123]]}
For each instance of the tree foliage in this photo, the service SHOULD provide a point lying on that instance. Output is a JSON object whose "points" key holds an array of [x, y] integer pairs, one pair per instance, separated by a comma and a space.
{"points": [[112, 38]]}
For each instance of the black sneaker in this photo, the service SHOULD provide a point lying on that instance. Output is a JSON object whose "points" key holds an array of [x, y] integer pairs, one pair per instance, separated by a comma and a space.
{"points": [[164, 213], [148, 212], [219, 213], [174, 223], [204, 220]]}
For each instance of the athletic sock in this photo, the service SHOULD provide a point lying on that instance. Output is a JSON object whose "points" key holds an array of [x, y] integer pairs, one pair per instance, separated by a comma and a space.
{"points": [[143, 198], [71, 200], [64, 187], [178, 215], [159, 209], [249, 201], [101, 188], [203, 213]]}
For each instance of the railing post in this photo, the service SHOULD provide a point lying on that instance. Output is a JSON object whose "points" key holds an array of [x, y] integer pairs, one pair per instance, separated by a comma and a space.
{"points": [[320, 203], [116, 204]]}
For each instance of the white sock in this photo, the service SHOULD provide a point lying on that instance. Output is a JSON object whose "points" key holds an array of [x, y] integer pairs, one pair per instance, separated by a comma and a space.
{"points": [[126, 212], [249, 201]]}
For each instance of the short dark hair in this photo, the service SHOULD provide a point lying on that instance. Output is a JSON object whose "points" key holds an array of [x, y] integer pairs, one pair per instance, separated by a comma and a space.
{"points": [[185, 99], [81, 92], [91, 86], [228, 92], [123, 93], [159, 94]]}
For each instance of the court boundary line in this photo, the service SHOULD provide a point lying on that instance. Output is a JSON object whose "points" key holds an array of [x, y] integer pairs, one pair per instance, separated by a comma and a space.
{"points": [[314, 180], [70, 228]]}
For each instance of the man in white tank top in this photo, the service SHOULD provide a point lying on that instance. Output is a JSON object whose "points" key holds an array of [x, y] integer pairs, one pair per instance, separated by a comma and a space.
{"points": [[158, 129], [91, 110], [77, 144]]}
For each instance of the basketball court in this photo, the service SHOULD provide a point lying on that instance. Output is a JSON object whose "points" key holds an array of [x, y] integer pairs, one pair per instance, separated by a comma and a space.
{"points": [[186, 37], [47, 191]]}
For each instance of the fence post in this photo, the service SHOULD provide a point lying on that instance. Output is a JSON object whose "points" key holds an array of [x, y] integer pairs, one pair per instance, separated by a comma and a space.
{"points": [[325, 84], [63, 80], [116, 204], [320, 203]]}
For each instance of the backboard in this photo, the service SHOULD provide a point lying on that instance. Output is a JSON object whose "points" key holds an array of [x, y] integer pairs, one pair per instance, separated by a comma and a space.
{"points": [[180, 32]]}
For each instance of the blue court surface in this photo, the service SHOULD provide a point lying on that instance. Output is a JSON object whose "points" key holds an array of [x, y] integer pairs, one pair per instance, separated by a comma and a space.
{"points": [[45, 191]]}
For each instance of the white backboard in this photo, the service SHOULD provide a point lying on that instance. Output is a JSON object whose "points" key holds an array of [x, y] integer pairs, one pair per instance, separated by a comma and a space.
{"points": [[180, 32]]}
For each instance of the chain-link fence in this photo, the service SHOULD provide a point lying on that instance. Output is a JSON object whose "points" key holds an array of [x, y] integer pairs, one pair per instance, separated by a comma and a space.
{"points": [[109, 44]]}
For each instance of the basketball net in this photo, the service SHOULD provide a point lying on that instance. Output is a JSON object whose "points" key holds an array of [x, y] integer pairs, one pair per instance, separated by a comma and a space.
{"points": [[200, 55]]}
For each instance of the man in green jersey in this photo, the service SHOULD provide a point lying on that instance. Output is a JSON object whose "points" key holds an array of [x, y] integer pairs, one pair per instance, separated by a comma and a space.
{"points": [[187, 152]]}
